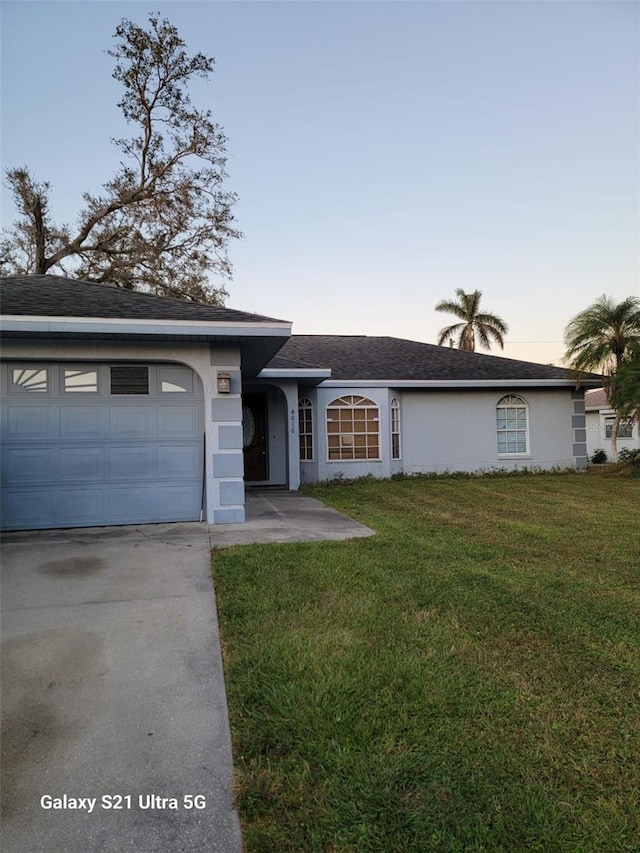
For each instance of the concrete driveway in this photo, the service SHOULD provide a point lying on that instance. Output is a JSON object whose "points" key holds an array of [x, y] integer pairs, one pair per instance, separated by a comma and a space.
{"points": [[115, 732], [113, 694]]}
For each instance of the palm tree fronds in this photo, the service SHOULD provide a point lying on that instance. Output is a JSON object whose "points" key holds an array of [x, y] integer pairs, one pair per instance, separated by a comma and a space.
{"points": [[475, 324], [606, 336]]}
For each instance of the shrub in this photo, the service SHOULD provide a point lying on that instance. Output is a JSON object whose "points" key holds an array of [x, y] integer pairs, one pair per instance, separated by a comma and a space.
{"points": [[628, 454], [599, 457]]}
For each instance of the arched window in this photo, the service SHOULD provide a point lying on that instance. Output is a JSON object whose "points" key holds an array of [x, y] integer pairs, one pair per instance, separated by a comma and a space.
{"points": [[512, 415], [353, 429], [395, 428], [305, 429]]}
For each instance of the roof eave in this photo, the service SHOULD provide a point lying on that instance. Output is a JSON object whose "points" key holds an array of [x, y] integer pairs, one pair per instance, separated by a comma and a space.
{"points": [[295, 373], [441, 384], [69, 326], [307, 376], [259, 341]]}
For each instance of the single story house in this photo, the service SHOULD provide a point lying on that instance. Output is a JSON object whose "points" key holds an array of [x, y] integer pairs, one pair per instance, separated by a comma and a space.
{"points": [[122, 407], [600, 418]]}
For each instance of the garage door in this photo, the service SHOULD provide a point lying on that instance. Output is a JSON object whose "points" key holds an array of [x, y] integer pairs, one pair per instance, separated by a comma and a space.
{"points": [[98, 444]]}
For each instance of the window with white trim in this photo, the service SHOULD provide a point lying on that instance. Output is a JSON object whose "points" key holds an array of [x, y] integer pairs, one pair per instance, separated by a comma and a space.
{"points": [[625, 428], [353, 429], [395, 428], [512, 415], [305, 429]]}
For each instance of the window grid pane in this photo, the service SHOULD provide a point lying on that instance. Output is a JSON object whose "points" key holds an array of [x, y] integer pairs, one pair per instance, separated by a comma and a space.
{"points": [[395, 429], [305, 430], [353, 426], [511, 422]]}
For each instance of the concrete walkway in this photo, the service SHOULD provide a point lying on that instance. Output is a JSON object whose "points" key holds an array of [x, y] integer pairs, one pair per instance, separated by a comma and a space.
{"points": [[112, 682], [276, 515]]}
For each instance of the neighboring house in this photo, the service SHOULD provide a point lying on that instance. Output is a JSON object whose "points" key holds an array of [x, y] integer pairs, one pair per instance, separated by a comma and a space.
{"points": [[600, 418], [121, 407]]}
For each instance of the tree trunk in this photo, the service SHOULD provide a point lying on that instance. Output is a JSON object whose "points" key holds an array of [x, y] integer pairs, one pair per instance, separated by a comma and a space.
{"points": [[614, 437], [38, 223]]}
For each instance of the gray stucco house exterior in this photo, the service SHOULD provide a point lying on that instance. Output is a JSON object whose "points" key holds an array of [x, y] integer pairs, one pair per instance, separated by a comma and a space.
{"points": [[600, 418], [121, 407]]}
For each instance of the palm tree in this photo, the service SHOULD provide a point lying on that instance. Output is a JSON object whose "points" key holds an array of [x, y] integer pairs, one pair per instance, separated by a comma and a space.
{"points": [[606, 337], [600, 337], [474, 322], [624, 394]]}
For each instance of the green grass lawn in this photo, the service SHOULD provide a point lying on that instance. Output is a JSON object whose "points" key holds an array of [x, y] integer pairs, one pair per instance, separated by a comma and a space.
{"points": [[466, 680]]}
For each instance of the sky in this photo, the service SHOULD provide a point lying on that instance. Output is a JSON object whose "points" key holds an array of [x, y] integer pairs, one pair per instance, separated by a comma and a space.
{"points": [[385, 153]]}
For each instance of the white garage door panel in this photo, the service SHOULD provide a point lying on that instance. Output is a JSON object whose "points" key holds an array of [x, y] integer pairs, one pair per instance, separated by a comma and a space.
{"points": [[179, 502], [174, 460], [83, 421], [118, 459], [132, 463], [22, 509], [81, 463], [35, 421], [25, 465], [131, 422], [84, 506], [139, 503], [177, 422]]}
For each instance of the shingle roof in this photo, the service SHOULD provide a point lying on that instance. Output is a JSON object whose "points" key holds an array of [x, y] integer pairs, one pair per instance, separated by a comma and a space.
{"points": [[596, 399], [388, 359], [57, 296], [350, 358]]}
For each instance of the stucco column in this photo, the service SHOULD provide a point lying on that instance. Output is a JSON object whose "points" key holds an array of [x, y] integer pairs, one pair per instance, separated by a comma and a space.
{"points": [[290, 391], [579, 427], [225, 460]]}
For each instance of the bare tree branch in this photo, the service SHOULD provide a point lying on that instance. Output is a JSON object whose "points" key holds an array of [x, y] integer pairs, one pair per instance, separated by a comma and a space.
{"points": [[163, 222]]}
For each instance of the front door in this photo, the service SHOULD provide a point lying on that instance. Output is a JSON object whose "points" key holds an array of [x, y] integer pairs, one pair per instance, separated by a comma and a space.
{"points": [[254, 436]]}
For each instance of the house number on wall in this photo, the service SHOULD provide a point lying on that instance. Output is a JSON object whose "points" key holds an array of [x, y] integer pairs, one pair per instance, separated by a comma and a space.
{"points": [[292, 419]]}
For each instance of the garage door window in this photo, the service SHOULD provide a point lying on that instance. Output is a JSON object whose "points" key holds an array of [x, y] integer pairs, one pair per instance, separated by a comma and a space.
{"points": [[78, 381], [175, 380], [30, 379], [130, 379]]}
